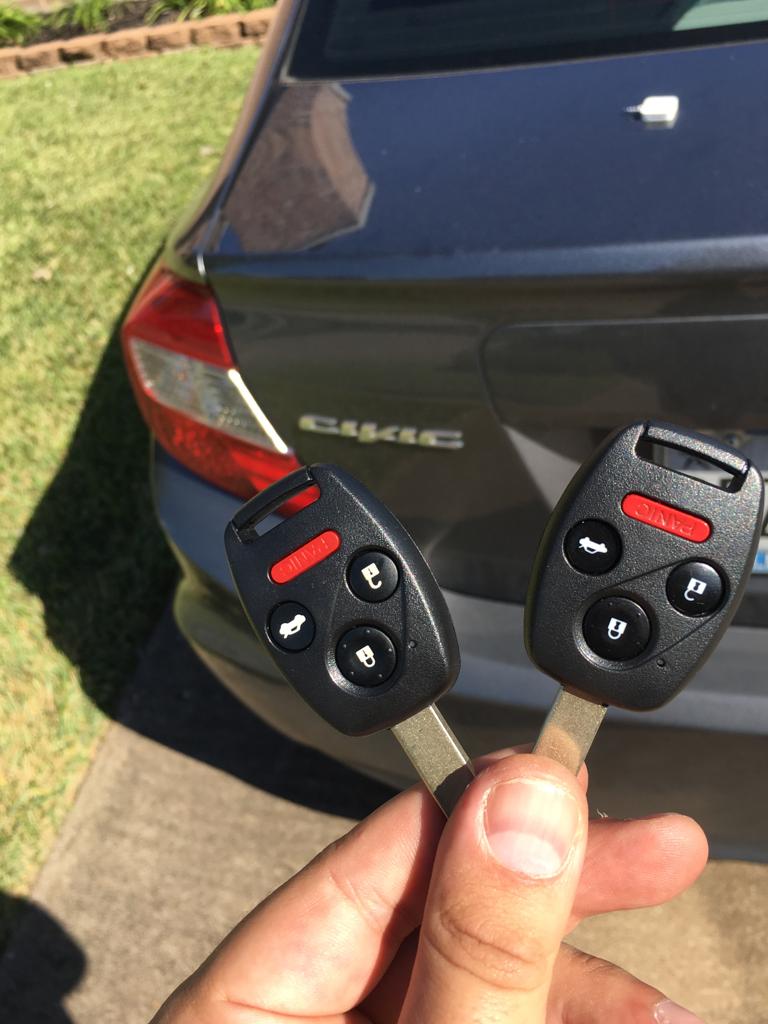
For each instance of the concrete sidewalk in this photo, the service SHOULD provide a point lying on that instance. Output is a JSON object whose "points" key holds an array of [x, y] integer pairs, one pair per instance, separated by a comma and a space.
{"points": [[193, 811]]}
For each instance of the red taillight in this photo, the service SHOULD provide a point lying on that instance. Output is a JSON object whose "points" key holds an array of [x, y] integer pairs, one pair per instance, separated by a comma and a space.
{"points": [[191, 394], [178, 315]]}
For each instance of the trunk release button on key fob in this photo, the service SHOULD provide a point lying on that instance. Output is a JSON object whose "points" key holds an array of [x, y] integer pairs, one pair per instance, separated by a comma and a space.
{"points": [[291, 626], [593, 547]]}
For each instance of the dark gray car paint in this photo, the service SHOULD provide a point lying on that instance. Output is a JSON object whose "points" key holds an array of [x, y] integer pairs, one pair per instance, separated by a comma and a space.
{"points": [[540, 159], [424, 355]]}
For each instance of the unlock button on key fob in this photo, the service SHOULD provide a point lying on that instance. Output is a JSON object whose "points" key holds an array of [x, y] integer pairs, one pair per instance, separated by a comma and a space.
{"points": [[695, 588], [373, 576]]}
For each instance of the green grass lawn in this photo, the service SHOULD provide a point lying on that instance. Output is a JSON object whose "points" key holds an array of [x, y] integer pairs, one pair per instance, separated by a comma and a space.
{"points": [[95, 166]]}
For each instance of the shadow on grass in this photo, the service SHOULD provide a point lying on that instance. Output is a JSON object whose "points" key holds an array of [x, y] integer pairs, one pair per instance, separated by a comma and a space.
{"points": [[92, 550], [94, 554], [41, 966]]}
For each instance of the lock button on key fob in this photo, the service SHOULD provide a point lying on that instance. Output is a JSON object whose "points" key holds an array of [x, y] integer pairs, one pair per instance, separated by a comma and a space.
{"points": [[617, 629], [366, 656]]}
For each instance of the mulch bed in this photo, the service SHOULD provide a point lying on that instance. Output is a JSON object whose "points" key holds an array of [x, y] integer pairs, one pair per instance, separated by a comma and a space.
{"points": [[124, 14], [130, 14]]}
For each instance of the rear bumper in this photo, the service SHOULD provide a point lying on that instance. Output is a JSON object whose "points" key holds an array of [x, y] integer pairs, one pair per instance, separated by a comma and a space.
{"points": [[673, 758]]}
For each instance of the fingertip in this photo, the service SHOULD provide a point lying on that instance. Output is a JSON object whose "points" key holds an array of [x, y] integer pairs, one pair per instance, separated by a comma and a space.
{"points": [[639, 863], [587, 989], [679, 839], [531, 826]]}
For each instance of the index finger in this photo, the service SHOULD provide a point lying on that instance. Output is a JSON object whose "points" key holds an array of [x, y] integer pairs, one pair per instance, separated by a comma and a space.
{"points": [[318, 944]]}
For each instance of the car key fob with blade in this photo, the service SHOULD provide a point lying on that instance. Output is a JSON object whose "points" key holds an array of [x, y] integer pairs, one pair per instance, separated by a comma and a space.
{"points": [[638, 574], [352, 616]]}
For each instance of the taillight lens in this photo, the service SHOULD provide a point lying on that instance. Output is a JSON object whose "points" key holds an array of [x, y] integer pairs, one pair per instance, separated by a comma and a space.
{"points": [[190, 392]]}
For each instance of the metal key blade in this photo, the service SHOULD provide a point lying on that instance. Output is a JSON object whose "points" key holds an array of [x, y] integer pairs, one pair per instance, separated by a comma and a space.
{"points": [[569, 730], [436, 754]]}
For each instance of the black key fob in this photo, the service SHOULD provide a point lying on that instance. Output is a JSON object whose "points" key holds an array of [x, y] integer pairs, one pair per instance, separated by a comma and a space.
{"points": [[641, 568], [344, 602]]}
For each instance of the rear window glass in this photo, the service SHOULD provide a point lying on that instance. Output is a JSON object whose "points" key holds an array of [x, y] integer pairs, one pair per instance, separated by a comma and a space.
{"points": [[347, 38]]}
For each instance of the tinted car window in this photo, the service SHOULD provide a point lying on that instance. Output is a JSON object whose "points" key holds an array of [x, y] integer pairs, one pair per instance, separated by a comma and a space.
{"points": [[344, 38]]}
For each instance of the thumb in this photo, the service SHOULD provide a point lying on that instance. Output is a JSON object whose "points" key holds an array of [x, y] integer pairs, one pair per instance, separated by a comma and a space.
{"points": [[501, 893]]}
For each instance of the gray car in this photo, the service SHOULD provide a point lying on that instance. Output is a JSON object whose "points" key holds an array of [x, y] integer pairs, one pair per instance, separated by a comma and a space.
{"points": [[450, 247]]}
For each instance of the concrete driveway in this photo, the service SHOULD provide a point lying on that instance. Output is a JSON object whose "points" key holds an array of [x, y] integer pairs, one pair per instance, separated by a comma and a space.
{"points": [[193, 811]]}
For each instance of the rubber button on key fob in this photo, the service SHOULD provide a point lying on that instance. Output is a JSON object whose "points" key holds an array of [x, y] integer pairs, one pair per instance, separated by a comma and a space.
{"points": [[617, 629], [291, 626], [366, 656], [695, 588], [373, 576], [593, 547]]}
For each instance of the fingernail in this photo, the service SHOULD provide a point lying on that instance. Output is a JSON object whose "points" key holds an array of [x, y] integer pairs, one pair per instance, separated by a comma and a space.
{"points": [[531, 826], [668, 1012]]}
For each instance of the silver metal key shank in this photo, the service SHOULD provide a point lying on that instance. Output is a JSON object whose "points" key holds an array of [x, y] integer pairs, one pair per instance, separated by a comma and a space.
{"points": [[436, 754]]}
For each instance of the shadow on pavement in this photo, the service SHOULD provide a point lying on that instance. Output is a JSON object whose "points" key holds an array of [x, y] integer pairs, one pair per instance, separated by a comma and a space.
{"points": [[41, 966], [175, 700]]}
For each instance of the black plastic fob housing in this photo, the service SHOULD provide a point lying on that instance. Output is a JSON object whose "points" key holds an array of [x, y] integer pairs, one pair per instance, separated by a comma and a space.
{"points": [[562, 592], [415, 617]]}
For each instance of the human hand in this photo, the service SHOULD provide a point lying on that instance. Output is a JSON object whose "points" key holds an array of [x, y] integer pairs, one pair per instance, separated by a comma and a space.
{"points": [[412, 920]]}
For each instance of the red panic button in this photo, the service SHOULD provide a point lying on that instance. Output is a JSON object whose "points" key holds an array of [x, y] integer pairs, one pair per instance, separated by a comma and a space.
{"points": [[303, 558], [666, 518]]}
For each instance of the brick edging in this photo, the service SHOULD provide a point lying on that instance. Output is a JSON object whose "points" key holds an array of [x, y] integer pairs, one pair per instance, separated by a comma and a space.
{"points": [[220, 30]]}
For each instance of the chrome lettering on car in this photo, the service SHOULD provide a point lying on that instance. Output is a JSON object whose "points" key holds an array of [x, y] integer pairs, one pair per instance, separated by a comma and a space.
{"points": [[369, 432]]}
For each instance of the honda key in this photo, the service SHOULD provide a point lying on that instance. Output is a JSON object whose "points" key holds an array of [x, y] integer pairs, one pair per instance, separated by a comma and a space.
{"points": [[639, 572], [352, 616]]}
